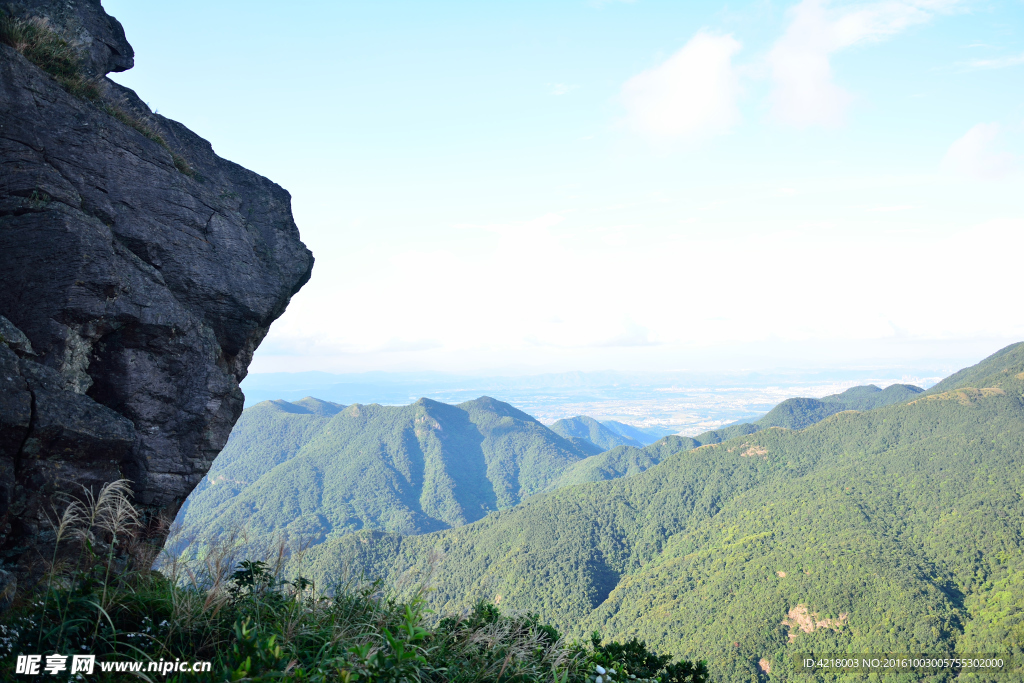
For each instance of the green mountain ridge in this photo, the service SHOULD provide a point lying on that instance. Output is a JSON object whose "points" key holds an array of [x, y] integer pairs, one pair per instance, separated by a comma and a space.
{"points": [[311, 469], [793, 413], [1006, 361], [800, 413], [897, 529]]}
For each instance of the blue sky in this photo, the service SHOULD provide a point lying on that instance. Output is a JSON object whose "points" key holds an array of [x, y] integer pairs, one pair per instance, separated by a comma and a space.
{"points": [[607, 185]]}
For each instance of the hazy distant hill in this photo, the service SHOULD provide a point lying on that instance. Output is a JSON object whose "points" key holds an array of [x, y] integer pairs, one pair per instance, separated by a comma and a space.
{"points": [[312, 468], [798, 413], [645, 435], [898, 529], [583, 427]]}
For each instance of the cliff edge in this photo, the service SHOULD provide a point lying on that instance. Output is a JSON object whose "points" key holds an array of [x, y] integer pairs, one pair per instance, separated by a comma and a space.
{"points": [[140, 271]]}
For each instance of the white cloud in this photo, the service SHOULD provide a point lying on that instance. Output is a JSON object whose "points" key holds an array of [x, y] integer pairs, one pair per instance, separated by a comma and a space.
{"points": [[537, 295], [690, 95], [804, 91], [978, 154]]}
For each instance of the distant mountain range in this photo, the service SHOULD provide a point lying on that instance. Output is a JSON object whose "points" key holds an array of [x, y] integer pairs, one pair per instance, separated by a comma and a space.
{"points": [[314, 469], [404, 387], [898, 529]]}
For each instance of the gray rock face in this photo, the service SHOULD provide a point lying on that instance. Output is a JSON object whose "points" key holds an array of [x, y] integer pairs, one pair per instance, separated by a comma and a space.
{"points": [[135, 285]]}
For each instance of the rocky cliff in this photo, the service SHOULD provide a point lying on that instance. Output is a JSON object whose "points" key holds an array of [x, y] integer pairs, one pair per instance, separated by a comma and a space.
{"points": [[139, 271]]}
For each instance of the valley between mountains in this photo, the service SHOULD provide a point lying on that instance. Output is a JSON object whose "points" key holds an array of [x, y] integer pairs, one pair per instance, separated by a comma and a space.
{"points": [[869, 521]]}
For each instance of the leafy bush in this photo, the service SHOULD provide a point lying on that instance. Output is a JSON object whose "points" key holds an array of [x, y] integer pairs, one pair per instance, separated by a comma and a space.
{"points": [[255, 625], [632, 660]]}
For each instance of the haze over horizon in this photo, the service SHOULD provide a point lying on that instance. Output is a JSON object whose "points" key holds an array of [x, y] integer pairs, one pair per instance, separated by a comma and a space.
{"points": [[547, 187]]}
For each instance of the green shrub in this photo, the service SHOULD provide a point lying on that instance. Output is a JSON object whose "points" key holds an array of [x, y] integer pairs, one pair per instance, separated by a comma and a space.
{"points": [[632, 661]]}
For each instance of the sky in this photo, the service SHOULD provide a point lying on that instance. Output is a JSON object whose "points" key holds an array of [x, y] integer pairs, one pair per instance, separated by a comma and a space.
{"points": [[557, 186]]}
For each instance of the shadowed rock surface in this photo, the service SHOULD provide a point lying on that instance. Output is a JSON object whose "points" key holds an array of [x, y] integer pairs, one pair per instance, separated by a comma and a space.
{"points": [[135, 288]]}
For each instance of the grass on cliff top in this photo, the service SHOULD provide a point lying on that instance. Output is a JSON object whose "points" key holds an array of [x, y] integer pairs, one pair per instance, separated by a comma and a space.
{"points": [[252, 624], [44, 47]]}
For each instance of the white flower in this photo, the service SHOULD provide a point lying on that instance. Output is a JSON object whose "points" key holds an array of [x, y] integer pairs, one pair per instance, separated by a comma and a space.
{"points": [[611, 671], [598, 680], [599, 669]]}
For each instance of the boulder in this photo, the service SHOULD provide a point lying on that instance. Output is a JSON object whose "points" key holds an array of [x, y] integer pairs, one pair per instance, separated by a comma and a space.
{"points": [[140, 273]]}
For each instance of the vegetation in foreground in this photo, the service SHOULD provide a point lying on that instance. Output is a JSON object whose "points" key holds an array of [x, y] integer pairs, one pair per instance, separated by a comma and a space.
{"points": [[253, 625]]}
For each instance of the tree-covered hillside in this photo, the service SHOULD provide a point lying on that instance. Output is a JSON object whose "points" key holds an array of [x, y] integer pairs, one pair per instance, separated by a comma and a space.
{"points": [[622, 461], [311, 469], [583, 427], [798, 413], [899, 529], [265, 436], [794, 413]]}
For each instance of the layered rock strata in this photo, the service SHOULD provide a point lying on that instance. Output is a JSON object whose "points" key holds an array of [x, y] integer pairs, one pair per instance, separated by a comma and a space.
{"points": [[139, 271]]}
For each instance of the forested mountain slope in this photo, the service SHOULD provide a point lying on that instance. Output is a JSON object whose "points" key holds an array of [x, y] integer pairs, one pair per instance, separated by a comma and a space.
{"points": [[798, 413], [622, 461], [1003, 362], [265, 435], [583, 427], [899, 529], [793, 413], [311, 468]]}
